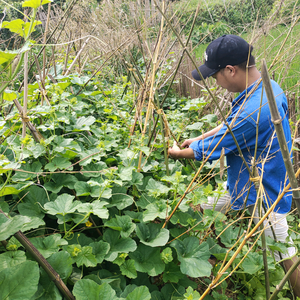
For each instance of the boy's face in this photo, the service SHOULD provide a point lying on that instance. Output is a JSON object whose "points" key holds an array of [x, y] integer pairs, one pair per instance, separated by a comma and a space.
{"points": [[226, 79]]}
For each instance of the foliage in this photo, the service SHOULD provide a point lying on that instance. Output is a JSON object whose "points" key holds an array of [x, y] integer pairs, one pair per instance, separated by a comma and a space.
{"points": [[97, 218], [218, 17]]}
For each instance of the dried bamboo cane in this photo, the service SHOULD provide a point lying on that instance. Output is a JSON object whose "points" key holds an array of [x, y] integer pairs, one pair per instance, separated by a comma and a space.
{"points": [[155, 58], [25, 93], [276, 120], [228, 264]]}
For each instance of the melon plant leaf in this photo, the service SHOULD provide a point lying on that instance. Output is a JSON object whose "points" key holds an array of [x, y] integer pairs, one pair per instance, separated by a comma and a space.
{"points": [[10, 226], [62, 263], [166, 255], [95, 208], [119, 198], [128, 269], [62, 205], [47, 289], [147, 260], [82, 255], [155, 210], [117, 244], [8, 190], [252, 263], [193, 295], [19, 27], [18, 283], [6, 56], [35, 3], [123, 224], [152, 234], [34, 222], [193, 257], [125, 173], [9, 95], [172, 273], [48, 245], [84, 123], [100, 249], [58, 163], [94, 169], [82, 188], [58, 181], [141, 292], [11, 258], [156, 188], [87, 289]]}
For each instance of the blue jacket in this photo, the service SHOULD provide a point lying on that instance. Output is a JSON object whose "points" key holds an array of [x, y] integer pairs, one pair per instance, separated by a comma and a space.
{"points": [[269, 159]]}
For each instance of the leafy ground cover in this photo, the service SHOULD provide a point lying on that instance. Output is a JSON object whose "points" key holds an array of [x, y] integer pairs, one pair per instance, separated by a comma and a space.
{"points": [[96, 209]]}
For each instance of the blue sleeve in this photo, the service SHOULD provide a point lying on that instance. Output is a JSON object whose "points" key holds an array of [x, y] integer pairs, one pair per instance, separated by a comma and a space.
{"points": [[243, 131]]}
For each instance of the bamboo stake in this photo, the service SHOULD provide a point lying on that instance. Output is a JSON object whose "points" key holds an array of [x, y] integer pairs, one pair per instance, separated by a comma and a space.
{"points": [[77, 56], [276, 120], [25, 93], [44, 42], [223, 270], [155, 57]]}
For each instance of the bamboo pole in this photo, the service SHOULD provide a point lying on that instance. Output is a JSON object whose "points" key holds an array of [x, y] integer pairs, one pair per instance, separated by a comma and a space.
{"points": [[25, 93], [228, 264], [77, 56], [276, 120], [154, 63]]}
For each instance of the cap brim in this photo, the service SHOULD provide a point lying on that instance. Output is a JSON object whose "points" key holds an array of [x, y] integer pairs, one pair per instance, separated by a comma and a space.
{"points": [[205, 71]]}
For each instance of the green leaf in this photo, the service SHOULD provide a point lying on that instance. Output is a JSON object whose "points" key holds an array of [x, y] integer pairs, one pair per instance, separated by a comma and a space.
{"points": [[61, 262], [166, 255], [141, 292], [172, 273], [10, 226], [35, 3], [19, 282], [193, 257], [229, 236], [8, 190], [58, 163], [84, 123], [7, 94], [94, 167], [34, 167], [155, 210], [11, 258], [123, 224], [48, 245], [195, 126], [100, 249], [152, 234], [7, 56], [86, 289], [58, 181], [156, 188], [119, 198], [33, 202], [82, 255], [95, 208], [117, 244], [128, 269], [192, 295], [147, 260], [20, 27], [34, 222], [62, 205], [125, 173], [253, 263]]}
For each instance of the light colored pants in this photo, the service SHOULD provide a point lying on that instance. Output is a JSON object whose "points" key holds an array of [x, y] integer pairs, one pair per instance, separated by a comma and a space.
{"points": [[278, 221]]}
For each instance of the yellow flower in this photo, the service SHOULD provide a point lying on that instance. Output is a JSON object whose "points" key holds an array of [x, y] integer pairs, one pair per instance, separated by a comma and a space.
{"points": [[88, 224]]}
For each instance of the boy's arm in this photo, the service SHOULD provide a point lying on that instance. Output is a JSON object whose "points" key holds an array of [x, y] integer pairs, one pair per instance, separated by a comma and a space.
{"points": [[185, 153]]}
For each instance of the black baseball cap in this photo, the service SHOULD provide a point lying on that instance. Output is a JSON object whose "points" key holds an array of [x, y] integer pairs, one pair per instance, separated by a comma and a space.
{"points": [[226, 50]]}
